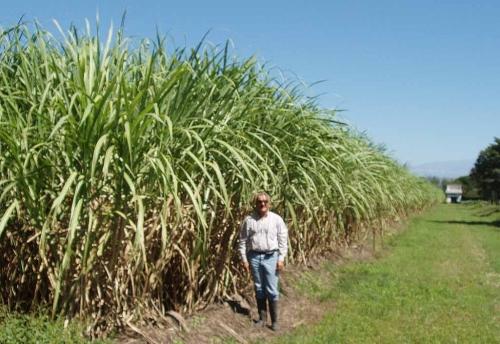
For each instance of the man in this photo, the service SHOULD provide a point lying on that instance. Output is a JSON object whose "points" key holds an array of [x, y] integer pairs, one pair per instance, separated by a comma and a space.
{"points": [[263, 247]]}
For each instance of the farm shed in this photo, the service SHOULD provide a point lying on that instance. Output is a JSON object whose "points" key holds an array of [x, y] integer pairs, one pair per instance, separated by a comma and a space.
{"points": [[453, 193]]}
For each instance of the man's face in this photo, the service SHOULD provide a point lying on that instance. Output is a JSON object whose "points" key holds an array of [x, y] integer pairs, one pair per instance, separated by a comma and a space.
{"points": [[262, 205]]}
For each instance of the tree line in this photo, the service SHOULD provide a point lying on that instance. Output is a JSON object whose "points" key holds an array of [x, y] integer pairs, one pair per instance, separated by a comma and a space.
{"points": [[483, 181]]}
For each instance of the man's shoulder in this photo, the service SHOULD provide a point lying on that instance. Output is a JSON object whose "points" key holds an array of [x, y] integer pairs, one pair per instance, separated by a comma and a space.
{"points": [[249, 217], [276, 216]]}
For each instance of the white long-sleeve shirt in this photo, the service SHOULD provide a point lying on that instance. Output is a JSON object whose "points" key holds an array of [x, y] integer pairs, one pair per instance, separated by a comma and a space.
{"points": [[263, 234]]}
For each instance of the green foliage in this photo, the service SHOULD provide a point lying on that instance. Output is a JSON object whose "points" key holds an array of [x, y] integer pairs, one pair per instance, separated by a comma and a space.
{"points": [[22, 328], [486, 171], [470, 189], [126, 167]]}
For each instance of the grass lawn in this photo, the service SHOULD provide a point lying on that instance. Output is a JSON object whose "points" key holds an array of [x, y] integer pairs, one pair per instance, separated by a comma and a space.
{"points": [[437, 282]]}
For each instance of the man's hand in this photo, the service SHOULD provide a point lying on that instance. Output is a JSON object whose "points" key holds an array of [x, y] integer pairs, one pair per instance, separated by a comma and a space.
{"points": [[280, 266], [246, 265]]}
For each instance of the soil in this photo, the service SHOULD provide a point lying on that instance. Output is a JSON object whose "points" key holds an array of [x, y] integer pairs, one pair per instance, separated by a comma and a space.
{"points": [[234, 319]]}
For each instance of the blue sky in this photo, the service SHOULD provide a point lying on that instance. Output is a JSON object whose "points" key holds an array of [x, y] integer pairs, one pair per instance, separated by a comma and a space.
{"points": [[421, 77]]}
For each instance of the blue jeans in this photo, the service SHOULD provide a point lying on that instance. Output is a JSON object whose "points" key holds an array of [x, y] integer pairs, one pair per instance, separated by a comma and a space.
{"points": [[265, 276]]}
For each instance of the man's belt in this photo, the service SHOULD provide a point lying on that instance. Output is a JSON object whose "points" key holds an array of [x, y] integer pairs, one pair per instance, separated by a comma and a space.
{"points": [[264, 252]]}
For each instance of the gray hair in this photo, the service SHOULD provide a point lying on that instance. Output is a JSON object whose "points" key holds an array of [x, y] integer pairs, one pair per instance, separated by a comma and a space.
{"points": [[256, 196]]}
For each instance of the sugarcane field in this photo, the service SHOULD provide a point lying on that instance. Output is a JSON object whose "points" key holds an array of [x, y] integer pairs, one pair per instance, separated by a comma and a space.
{"points": [[154, 191]]}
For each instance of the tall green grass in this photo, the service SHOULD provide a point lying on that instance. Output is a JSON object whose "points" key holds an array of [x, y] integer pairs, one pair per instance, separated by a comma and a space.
{"points": [[125, 169]]}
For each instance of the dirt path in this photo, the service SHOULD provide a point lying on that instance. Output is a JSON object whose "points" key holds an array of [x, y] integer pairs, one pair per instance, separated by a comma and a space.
{"points": [[233, 321]]}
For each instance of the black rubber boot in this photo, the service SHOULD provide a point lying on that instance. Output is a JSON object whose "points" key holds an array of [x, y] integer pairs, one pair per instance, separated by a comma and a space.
{"points": [[262, 309], [273, 309]]}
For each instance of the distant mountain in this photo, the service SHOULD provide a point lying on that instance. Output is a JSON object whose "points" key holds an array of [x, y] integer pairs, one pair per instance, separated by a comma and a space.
{"points": [[443, 169]]}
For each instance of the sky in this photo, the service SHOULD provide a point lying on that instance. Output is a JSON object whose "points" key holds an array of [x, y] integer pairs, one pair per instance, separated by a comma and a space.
{"points": [[421, 77]]}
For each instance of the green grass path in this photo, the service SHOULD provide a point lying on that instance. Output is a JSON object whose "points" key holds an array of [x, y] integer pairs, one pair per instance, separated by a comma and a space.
{"points": [[437, 282]]}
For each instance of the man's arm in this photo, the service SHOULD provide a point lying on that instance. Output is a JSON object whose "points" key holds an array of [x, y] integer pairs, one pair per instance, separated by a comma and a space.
{"points": [[282, 240], [243, 241]]}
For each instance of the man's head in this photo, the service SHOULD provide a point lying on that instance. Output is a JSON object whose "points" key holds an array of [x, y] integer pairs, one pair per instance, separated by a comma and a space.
{"points": [[262, 202]]}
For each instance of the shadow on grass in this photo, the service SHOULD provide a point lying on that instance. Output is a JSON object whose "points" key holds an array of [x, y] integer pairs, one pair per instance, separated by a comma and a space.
{"points": [[238, 308], [494, 223], [489, 212]]}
